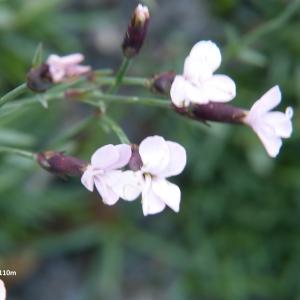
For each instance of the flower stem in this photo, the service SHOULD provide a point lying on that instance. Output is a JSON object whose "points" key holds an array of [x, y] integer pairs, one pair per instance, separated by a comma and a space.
{"points": [[137, 81], [120, 74], [13, 94], [17, 151], [95, 97], [116, 129]]}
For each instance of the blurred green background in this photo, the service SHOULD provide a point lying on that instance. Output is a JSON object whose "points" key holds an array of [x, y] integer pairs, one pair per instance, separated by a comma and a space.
{"points": [[237, 235]]}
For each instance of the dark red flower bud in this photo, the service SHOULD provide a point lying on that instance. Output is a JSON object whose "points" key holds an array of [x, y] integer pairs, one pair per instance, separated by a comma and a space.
{"points": [[61, 164], [39, 79], [162, 83], [136, 31], [135, 162], [213, 111]]}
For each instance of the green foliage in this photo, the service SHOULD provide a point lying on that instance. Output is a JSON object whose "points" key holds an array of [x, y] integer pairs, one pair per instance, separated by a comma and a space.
{"points": [[237, 234]]}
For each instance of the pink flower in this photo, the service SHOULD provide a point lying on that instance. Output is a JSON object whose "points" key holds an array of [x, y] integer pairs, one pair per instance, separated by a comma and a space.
{"points": [[198, 84], [161, 159], [103, 171], [64, 67], [2, 290], [270, 126]]}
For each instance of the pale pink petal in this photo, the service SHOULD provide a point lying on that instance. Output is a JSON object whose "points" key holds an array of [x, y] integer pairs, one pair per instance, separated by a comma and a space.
{"points": [[72, 71], [280, 122], [267, 102], [87, 178], [154, 153], [151, 203], [177, 92], [124, 152], [128, 186], [268, 137], [2, 290], [57, 73], [177, 160], [71, 59], [109, 197], [207, 56], [105, 157], [167, 192], [219, 88], [195, 71], [196, 93]]}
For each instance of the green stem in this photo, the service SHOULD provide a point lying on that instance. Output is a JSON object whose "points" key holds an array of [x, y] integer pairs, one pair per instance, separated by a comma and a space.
{"points": [[19, 152], [138, 81], [120, 74], [95, 97], [116, 129], [13, 94]]}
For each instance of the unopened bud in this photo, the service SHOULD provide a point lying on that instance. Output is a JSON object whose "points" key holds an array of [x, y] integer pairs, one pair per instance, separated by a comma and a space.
{"points": [[61, 164], [135, 162], [162, 83], [39, 79], [213, 111], [136, 31]]}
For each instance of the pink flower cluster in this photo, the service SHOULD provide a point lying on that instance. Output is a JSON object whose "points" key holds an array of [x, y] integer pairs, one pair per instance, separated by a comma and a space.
{"points": [[199, 85], [160, 159]]}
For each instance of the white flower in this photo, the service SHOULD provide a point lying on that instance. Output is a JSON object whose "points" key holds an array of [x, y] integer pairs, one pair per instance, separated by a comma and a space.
{"points": [[161, 159], [2, 290], [103, 173], [198, 84], [270, 126], [64, 67]]}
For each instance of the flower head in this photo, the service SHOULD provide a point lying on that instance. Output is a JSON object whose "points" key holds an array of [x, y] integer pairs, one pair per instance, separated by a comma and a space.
{"points": [[270, 126], [103, 171], [198, 84], [2, 290], [64, 67], [160, 159]]}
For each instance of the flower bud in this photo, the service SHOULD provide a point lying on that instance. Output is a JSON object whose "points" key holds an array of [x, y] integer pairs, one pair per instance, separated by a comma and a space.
{"points": [[213, 111], [135, 162], [162, 82], [136, 31], [39, 79], [61, 164]]}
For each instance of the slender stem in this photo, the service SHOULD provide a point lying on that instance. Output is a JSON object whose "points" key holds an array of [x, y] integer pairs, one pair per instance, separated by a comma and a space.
{"points": [[95, 97], [120, 74], [17, 151], [13, 94], [116, 129], [138, 81]]}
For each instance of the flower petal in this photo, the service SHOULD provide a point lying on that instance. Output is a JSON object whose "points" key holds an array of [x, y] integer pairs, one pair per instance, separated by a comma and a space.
{"points": [[268, 137], [205, 58], [2, 290], [155, 154], [167, 192], [177, 160], [71, 59], [196, 93], [124, 152], [267, 102], [151, 203], [280, 122], [105, 157], [128, 186], [220, 88], [109, 197], [87, 178], [177, 92]]}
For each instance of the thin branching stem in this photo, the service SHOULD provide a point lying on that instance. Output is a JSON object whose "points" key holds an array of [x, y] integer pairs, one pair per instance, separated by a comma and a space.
{"points": [[16, 151], [11, 95]]}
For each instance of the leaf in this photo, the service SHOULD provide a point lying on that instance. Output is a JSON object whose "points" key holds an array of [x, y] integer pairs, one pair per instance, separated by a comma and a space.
{"points": [[38, 56]]}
